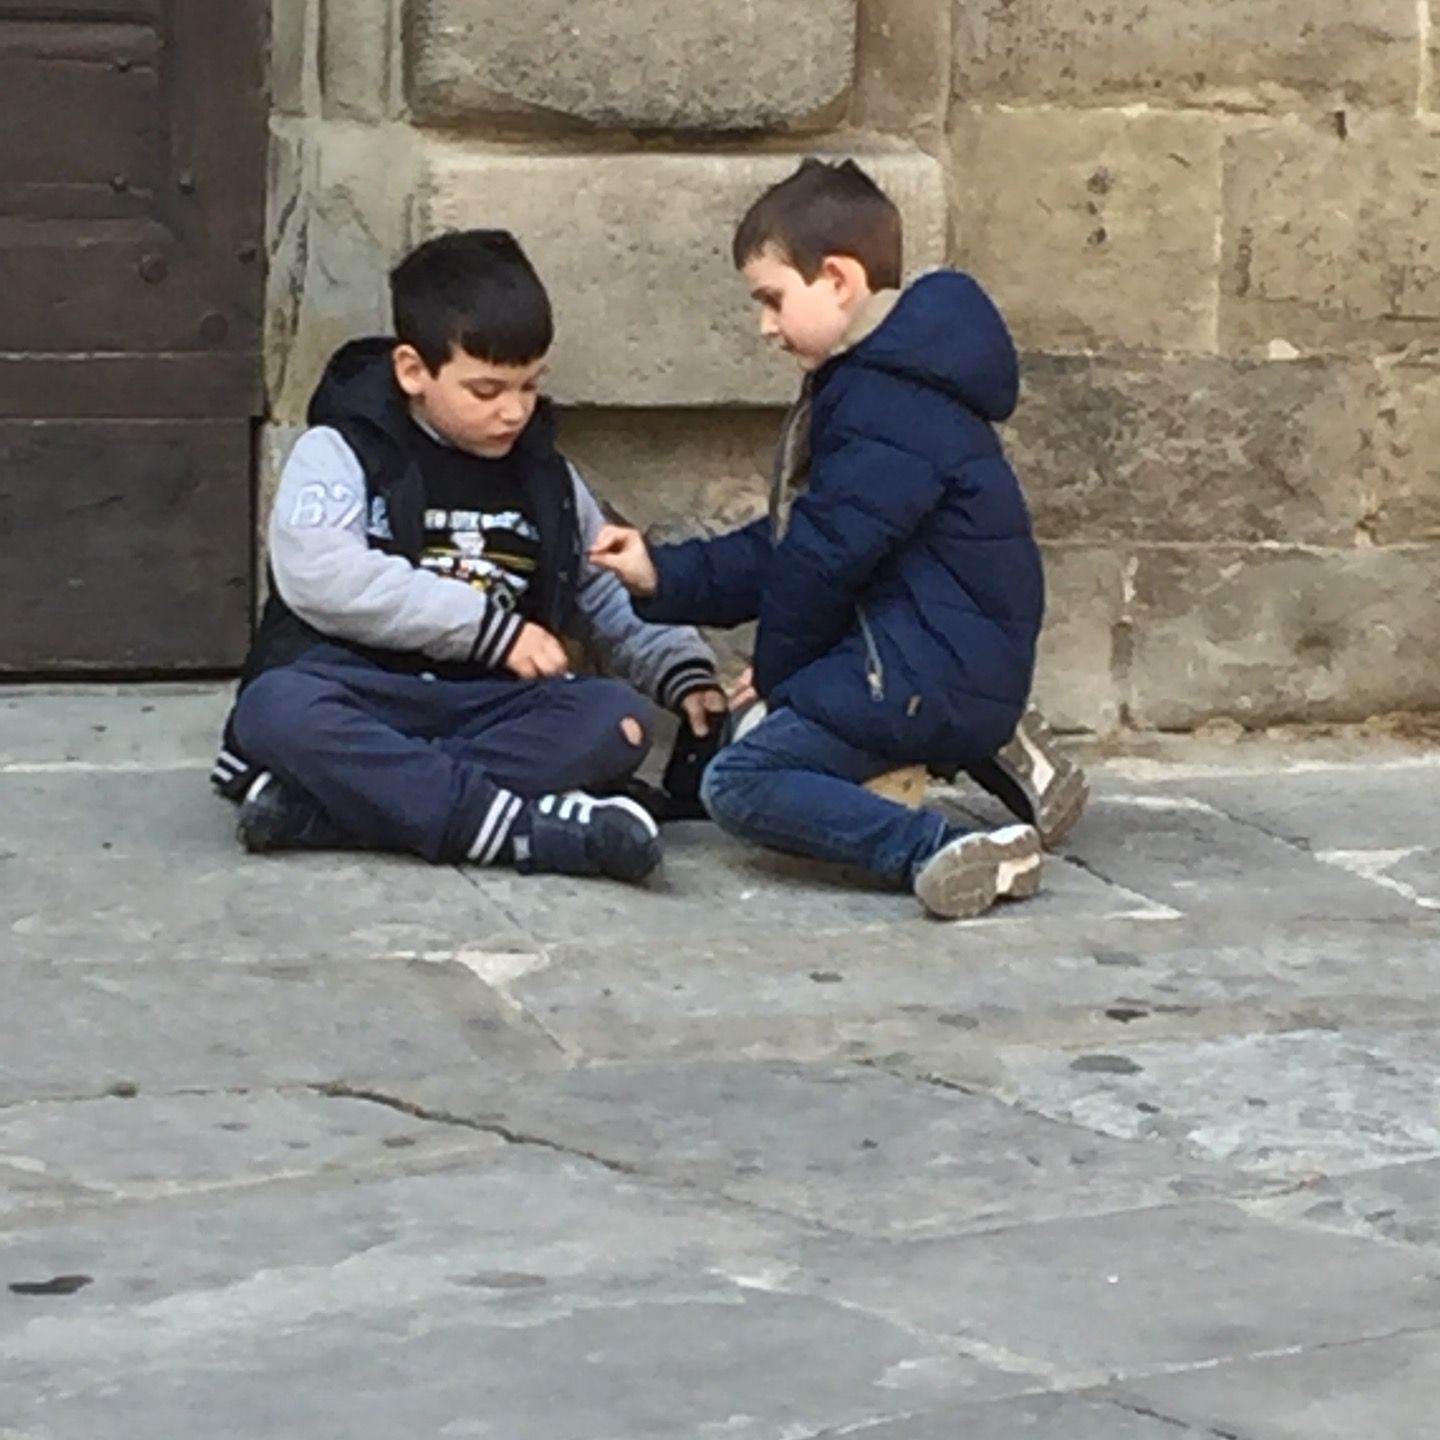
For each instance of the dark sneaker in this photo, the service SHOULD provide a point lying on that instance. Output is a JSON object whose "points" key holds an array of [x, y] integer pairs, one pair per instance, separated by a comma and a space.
{"points": [[274, 817], [966, 877], [580, 834], [1036, 781]]}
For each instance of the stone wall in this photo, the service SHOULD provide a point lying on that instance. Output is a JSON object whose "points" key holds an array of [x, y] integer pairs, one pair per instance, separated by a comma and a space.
{"points": [[1213, 224]]}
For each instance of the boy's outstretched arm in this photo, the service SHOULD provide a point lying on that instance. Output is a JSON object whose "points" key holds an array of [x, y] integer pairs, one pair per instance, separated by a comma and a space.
{"points": [[670, 663], [697, 582], [329, 576], [867, 497]]}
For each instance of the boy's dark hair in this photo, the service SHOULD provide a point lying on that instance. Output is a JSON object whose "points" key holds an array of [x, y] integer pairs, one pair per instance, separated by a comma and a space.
{"points": [[821, 210], [472, 290]]}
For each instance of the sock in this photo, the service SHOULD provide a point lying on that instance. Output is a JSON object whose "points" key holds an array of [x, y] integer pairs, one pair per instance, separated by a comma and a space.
{"points": [[493, 841]]}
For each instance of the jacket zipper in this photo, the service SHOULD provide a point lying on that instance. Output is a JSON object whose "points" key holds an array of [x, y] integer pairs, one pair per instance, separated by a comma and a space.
{"points": [[874, 666]]}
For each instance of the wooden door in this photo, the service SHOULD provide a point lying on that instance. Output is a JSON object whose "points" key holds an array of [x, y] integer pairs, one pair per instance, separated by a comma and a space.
{"points": [[132, 160]]}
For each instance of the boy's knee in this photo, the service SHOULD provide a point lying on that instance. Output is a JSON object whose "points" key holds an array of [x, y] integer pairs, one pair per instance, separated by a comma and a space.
{"points": [[621, 717], [268, 714]]}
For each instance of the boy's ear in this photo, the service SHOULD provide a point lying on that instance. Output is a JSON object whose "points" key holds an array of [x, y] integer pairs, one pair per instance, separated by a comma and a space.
{"points": [[410, 369], [847, 276]]}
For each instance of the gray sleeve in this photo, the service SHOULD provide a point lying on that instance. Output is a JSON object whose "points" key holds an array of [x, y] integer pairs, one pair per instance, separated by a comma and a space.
{"points": [[329, 576], [667, 662]]}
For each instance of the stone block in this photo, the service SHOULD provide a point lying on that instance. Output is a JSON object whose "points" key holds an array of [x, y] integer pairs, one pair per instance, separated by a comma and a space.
{"points": [[1076, 682], [1093, 230], [293, 84], [1242, 54], [1403, 480], [902, 66], [636, 252], [611, 64], [676, 473], [1332, 241], [1272, 635], [353, 212], [1197, 449], [359, 58]]}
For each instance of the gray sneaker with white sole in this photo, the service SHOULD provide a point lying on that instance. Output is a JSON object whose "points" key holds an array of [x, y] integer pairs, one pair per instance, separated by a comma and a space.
{"points": [[965, 877]]}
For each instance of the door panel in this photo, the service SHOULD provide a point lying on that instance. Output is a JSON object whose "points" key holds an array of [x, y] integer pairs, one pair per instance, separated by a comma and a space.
{"points": [[131, 266]]}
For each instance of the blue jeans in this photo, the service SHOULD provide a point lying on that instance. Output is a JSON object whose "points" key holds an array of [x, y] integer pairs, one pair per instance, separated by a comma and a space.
{"points": [[793, 786]]}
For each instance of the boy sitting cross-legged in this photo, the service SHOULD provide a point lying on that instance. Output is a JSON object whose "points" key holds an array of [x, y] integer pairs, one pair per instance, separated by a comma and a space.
{"points": [[408, 688]]}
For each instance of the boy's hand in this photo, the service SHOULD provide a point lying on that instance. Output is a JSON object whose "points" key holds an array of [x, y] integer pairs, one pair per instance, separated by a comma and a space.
{"points": [[537, 654], [623, 552], [701, 707], [742, 692]]}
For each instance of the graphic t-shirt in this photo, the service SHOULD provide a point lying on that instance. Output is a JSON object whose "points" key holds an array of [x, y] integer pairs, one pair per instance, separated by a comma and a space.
{"points": [[478, 525]]}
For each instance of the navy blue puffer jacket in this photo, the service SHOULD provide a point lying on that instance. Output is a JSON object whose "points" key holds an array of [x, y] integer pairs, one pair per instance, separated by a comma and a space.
{"points": [[902, 607]]}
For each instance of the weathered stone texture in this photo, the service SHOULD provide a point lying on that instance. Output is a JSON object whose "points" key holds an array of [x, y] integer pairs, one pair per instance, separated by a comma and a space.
{"points": [[1094, 230], [1075, 682], [1430, 78], [359, 58], [1248, 54], [1403, 477], [1333, 243], [650, 313], [1196, 449], [352, 216], [290, 182], [902, 66], [765, 65], [1276, 635], [678, 473], [292, 56]]}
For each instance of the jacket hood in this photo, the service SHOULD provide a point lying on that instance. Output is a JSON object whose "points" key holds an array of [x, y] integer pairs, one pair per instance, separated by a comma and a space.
{"points": [[359, 385], [944, 331]]}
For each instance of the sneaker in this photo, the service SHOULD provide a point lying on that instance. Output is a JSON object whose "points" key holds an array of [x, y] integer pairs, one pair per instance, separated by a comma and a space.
{"points": [[275, 817], [967, 876], [580, 834], [1039, 784]]}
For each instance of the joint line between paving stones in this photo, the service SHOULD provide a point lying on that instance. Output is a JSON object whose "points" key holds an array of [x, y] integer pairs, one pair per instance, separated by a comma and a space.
{"points": [[1146, 1413], [340, 1091], [1302, 847]]}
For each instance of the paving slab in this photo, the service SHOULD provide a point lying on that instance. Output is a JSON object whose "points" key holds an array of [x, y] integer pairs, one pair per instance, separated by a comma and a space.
{"points": [[850, 1149], [130, 726], [1399, 1204], [1379, 1388], [155, 1026], [1296, 1104], [1182, 852], [1333, 808], [211, 908], [533, 1296], [945, 995], [1086, 1300]]}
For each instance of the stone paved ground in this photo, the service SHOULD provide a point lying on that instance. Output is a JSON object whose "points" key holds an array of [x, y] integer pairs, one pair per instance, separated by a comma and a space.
{"points": [[340, 1147]]}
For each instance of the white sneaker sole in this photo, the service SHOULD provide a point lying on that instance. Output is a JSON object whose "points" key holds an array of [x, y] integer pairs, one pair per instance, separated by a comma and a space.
{"points": [[1055, 785], [974, 871]]}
